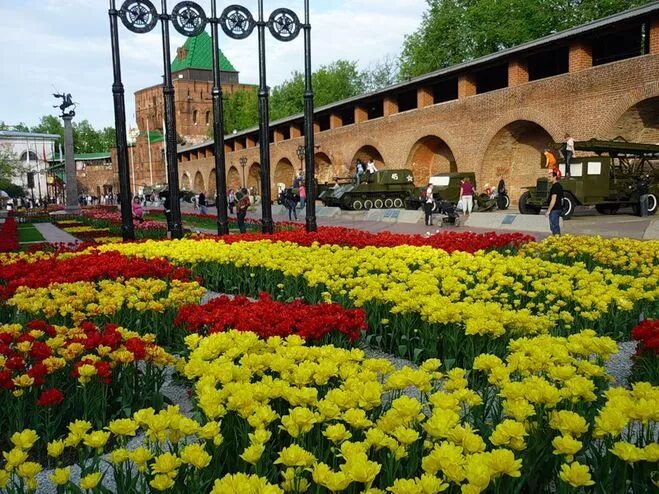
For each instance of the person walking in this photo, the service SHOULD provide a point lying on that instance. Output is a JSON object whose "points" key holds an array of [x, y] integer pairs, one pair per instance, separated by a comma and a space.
{"points": [[201, 200], [568, 153], [288, 200], [428, 204], [466, 193], [241, 209], [555, 204], [231, 200], [302, 192]]}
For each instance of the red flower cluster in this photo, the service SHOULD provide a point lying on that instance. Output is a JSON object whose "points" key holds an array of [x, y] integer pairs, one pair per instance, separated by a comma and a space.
{"points": [[647, 332], [87, 267], [9, 235], [50, 397], [448, 241], [267, 317]]}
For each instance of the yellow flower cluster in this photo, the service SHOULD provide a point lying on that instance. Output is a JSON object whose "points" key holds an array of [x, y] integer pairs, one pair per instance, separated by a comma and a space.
{"points": [[83, 229], [491, 294], [616, 253], [82, 300], [7, 258]]}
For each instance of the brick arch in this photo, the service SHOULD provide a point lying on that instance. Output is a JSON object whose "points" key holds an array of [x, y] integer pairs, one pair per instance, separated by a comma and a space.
{"points": [[254, 177], [324, 168], [233, 179], [556, 129], [640, 122], [515, 153], [429, 156], [611, 119], [185, 181], [199, 182], [284, 173], [211, 183], [366, 153]]}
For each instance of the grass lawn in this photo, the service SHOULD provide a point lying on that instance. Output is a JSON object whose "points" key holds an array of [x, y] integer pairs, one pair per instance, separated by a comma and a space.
{"points": [[29, 233]]}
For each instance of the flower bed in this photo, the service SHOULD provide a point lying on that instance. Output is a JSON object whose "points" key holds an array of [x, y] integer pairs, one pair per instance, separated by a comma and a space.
{"points": [[429, 300], [448, 241], [94, 266], [286, 417], [51, 375], [267, 317], [646, 360], [9, 235]]}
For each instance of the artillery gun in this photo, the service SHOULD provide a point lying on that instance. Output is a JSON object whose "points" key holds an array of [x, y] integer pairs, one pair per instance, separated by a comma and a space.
{"points": [[382, 189], [608, 178]]}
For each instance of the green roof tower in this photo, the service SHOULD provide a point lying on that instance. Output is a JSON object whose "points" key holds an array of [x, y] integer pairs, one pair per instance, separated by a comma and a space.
{"points": [[197, 54]]}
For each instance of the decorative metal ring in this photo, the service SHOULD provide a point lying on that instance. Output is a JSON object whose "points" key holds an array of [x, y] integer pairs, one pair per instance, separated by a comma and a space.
{"points": [[284, 24], [139, 16], [189, 19], [237, 22]]}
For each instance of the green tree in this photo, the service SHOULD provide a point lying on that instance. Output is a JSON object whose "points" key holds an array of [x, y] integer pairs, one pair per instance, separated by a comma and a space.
{"points": [[240, 111], [455, 31], [10, 165], [382, 73], [50, 124]]}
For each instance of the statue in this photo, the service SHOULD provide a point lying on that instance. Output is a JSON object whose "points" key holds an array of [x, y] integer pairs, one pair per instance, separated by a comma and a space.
{"points": [[66, 103]]}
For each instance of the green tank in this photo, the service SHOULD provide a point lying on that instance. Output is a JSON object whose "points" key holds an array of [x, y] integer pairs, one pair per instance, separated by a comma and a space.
{"points": [[382, 189]]}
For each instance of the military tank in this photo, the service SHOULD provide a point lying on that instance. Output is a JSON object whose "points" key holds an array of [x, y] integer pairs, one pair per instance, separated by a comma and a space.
{"points": [[382, 189]]}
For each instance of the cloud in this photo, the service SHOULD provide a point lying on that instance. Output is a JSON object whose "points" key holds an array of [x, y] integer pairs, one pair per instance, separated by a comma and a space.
{"points": [[65, 45]]}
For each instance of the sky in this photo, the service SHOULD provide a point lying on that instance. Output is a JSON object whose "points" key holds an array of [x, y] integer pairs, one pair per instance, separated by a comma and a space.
{"points": [[53, 46]]}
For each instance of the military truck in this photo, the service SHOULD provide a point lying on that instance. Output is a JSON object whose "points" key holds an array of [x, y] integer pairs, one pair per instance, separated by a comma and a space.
{"points": [[382, 189], [446, 187], [608, 178]]}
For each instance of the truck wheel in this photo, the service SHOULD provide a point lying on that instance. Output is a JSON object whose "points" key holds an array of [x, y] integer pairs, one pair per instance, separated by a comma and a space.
{"points": [[388, 203], [435, 207], [378, 203], [398, 202], [504, 201], [357, 205], [525, 208], [652, 203], [568, 205], [368, 204]]}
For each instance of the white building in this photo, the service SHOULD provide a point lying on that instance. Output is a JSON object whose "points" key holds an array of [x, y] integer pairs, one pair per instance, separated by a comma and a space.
{"points": [[32, 152]]}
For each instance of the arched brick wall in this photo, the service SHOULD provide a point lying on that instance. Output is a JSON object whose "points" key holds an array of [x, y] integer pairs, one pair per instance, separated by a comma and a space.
{"points": [[515, 153], [211, 184], [366, 153], [284, 174], [324, 170], [429, 156], [185, 181], [199, 183], [233, 179], [254, 177], [640, 123]]}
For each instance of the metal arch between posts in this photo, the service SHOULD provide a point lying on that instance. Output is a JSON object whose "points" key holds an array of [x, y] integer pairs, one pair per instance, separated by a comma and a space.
{"points": [[237, 22]]}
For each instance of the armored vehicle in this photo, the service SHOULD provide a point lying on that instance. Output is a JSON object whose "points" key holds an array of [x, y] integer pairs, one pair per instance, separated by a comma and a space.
{"points": [[610, 178], [446, 187], [382, 189]]}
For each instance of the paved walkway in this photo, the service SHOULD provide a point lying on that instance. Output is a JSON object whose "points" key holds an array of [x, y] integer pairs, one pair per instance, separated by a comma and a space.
{"points": [[54, 235], [584, 222]]}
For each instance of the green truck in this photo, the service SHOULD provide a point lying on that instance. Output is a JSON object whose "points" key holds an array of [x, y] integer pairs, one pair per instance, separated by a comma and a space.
{"points": [[611, 175]]}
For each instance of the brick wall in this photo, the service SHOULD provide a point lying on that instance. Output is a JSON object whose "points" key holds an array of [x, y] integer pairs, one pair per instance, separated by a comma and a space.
{"points": [[500, 133]]}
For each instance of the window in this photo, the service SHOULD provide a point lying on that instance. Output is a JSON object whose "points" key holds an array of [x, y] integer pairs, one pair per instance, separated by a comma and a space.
{"points": [[594, 168], [208, 118], [194, 117], [440, 181]]}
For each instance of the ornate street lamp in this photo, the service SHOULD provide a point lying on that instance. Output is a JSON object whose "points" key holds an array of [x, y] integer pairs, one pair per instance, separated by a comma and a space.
{"points": [[243, 163]]}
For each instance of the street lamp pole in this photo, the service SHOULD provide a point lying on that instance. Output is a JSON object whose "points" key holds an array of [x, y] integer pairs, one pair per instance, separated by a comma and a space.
{"points": [[300, 154]]}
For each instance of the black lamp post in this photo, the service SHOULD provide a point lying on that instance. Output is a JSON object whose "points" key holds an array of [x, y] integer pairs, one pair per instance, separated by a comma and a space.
{"points": [[243, 163]]}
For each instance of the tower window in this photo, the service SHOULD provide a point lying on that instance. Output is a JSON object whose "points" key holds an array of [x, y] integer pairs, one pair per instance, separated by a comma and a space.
{"points": [[208, 117], [194, 117]]}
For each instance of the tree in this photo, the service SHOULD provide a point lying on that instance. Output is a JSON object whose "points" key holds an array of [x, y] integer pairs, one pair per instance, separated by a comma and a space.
{"points": [[382, 73], [50, 124], [10, 165], [455, 31], [241, 111], [336, 81]]}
